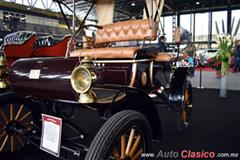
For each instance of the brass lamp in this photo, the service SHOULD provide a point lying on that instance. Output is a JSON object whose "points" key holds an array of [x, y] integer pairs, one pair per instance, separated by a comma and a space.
{"points": [[81, 81], [3, 72]]}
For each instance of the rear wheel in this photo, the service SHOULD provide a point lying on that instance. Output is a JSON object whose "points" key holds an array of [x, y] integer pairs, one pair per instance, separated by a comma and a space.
{"points": [[184, 116], [14, 119], [125, 136]]}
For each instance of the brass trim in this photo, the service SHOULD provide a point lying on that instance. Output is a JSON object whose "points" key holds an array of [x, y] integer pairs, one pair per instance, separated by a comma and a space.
{"points": [[144, 79], [3, 85], [3, 61], [122, 61], [134, 74], [74, 79], [88, 97], [151, 72], [3, 72]]}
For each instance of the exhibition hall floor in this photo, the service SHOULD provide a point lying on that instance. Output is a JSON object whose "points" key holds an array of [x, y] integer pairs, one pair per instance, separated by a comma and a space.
{"points": [[209, 80], [215, 127]]}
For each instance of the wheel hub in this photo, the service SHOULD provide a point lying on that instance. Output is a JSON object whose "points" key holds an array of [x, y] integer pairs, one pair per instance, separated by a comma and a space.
{"points": [[13, 127]]}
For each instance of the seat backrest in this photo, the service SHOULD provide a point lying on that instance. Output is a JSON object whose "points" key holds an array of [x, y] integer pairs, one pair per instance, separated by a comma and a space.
{"points": [[127, 31], [44, 41], [18, 38], [19, 44]]}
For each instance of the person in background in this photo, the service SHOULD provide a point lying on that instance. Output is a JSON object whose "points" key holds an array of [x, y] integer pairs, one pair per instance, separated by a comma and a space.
{"points": [[190, 62], [236, 65], [190, 50], [161, 44]]}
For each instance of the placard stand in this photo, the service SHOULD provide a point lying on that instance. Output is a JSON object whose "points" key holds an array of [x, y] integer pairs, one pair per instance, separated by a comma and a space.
{"points": [[51, 134]]}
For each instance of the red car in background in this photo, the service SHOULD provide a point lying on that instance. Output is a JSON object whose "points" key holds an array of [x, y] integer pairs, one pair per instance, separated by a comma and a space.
{"points": [[26, 44]]}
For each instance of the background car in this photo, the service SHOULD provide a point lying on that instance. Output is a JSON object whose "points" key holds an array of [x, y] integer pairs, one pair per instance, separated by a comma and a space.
{"points": [[202, 56]]}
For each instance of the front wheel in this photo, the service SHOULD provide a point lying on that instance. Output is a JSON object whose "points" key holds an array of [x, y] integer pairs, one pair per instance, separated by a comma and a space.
{"points": [[14, 118], [125, 136], [184, 116]]}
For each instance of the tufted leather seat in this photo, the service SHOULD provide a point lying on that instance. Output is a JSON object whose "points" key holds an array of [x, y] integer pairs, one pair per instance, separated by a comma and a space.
{"points": [[127, 31], [108, 53], [118, 32]]}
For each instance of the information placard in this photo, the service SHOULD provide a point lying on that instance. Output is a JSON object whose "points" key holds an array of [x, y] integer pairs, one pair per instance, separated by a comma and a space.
{"points": [[51, 134]]}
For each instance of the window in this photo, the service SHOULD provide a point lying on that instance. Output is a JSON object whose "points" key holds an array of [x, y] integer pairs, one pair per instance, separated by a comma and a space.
{"points": [[221, 19], [186, 21], [236, 17], [168, 28], [23, 18], [6, 19], [201, 26]]}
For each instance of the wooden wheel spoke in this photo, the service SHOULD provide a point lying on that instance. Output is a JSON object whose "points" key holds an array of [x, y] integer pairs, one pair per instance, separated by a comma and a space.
{"points": [[4, 143], [12, 144], [2, 128], [184, 115], [20, 140], [25, 116], [3, 134], [11, 112], [2, 114], [19, 112], [137, 155], [123, 146], [135, 146], [186, 96], [115, 154], [130, 141]]}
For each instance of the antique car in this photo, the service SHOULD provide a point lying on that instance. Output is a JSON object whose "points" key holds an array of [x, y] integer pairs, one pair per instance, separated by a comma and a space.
{"points": [[104, 100]]}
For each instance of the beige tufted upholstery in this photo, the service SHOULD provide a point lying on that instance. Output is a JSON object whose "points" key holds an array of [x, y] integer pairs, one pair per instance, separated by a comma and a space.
{"points": [[127, 31]]}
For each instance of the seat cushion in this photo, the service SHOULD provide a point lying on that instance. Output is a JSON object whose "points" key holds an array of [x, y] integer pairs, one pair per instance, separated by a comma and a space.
{"points": [[107, 53], [163, 57]]}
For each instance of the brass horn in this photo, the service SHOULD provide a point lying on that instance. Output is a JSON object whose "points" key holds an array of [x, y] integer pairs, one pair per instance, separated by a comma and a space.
{"points": [[81, 81]]}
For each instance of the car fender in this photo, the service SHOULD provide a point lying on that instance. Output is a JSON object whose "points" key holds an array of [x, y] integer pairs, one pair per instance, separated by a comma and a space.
{"points": [[177, 87], [138, 100]]}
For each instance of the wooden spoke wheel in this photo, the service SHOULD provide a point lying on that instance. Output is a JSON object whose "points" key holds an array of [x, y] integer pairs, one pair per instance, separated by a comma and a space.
{"points": [[184, 116], [125, 136], [14, 118], [131, 146]]}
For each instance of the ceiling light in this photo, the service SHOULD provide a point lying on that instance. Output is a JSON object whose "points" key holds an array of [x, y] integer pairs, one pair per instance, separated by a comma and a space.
{"points": [[197, 3], [133, 4]]}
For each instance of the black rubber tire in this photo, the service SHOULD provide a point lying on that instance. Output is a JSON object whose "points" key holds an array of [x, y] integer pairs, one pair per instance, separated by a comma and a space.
{"points": [[103, 141], [27, 147], [181, 127]]}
